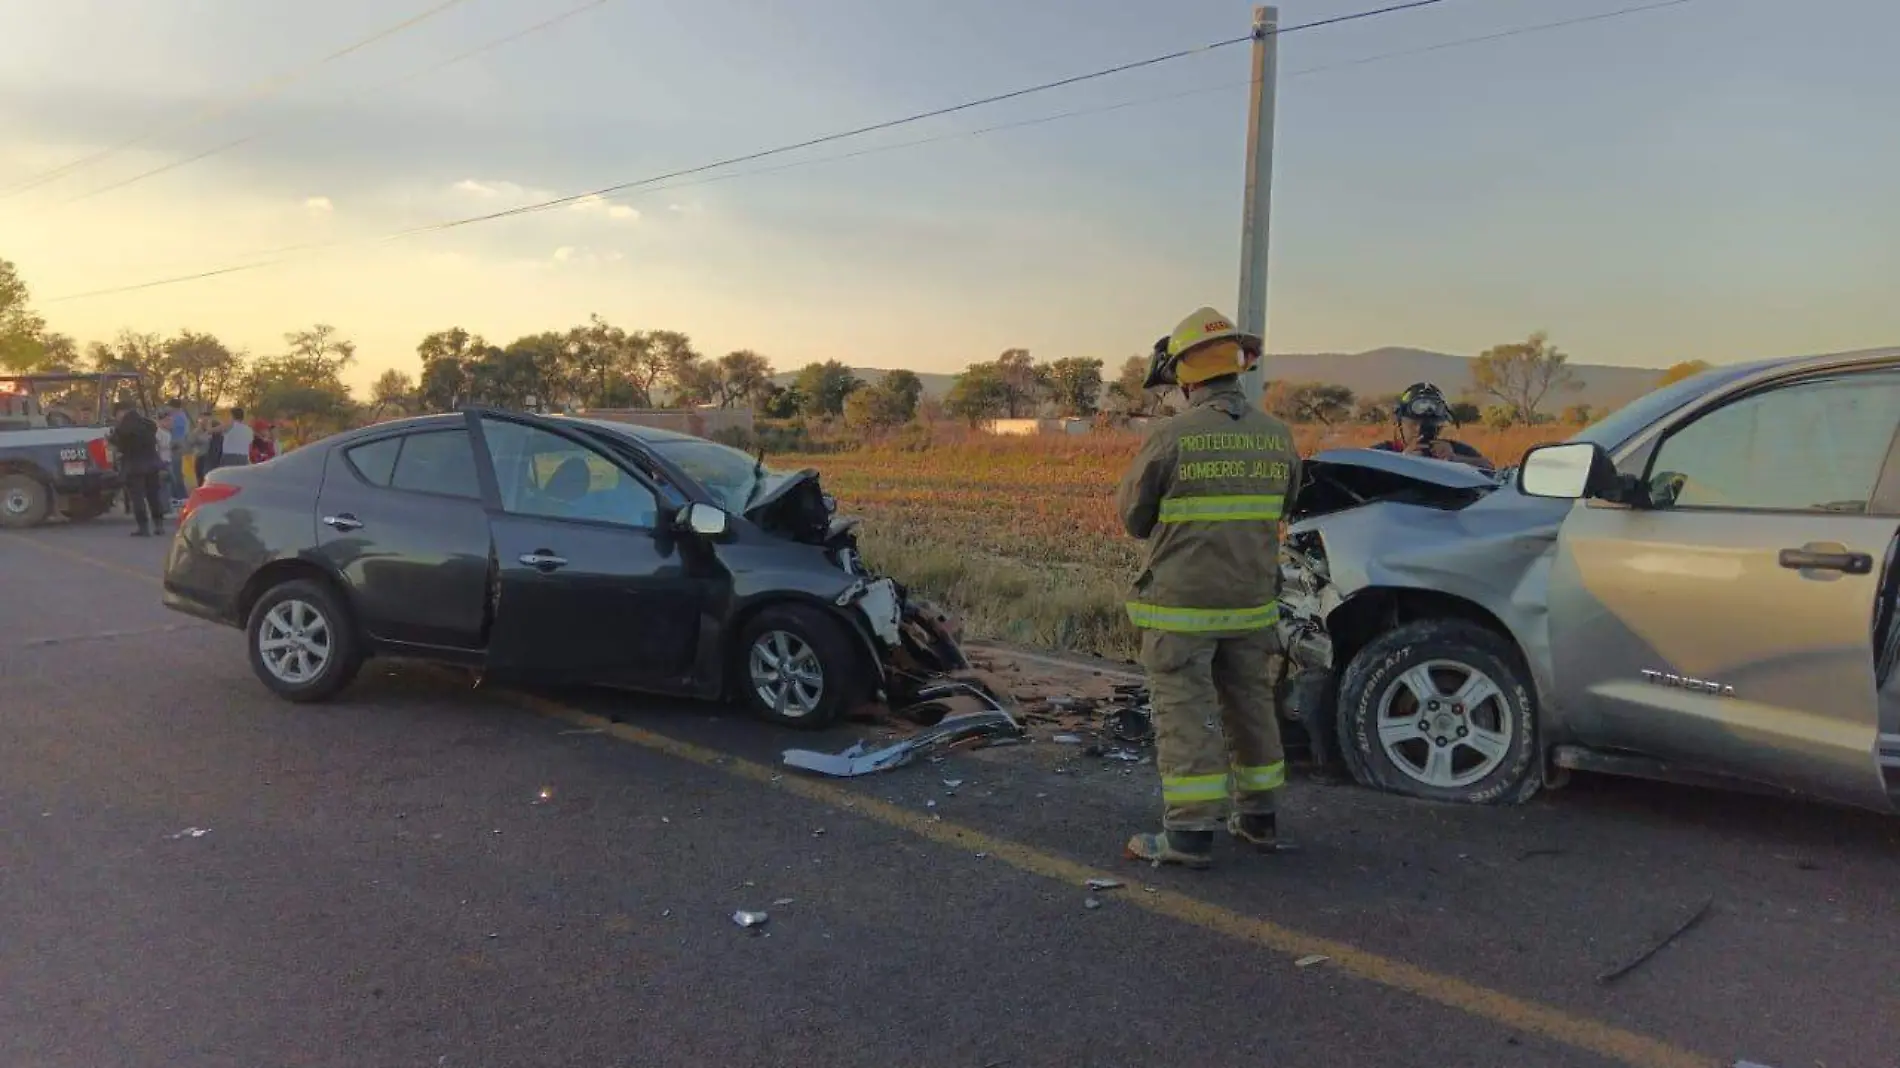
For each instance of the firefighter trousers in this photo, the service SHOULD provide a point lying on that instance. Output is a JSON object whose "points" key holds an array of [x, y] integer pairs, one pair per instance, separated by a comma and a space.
{"points": [[1217, 735]]}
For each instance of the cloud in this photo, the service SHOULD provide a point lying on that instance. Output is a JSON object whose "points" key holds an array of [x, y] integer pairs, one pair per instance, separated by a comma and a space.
{"points": [[564, 253], [621, 211], [497, 190], [594, 203], [319, 205]]}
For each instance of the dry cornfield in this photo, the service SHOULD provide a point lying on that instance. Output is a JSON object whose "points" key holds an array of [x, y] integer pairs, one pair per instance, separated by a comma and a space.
{"points": [[1019, 534]]}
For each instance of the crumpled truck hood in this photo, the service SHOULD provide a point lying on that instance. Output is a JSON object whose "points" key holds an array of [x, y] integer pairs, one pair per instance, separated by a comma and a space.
{"points": [[1419, 468]]}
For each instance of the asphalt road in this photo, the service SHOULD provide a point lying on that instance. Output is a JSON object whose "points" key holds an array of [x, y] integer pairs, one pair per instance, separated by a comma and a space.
{"points": [[429, 873]]}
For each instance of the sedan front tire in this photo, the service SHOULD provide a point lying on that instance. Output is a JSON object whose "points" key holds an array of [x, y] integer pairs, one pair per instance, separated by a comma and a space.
{"points": [[798, 667]]}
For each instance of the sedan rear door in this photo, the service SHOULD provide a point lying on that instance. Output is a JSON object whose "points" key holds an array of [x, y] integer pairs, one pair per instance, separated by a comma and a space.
{"points": [[401, 518], [1731, 624], [594, 586]]}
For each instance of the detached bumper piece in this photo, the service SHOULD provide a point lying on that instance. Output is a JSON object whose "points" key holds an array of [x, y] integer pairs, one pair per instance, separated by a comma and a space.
{"points": [[858, 760]]}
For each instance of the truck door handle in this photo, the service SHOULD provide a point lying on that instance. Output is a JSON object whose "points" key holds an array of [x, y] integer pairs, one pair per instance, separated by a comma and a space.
{"points": [[543, 560], [1827, 556], [344, 522]]}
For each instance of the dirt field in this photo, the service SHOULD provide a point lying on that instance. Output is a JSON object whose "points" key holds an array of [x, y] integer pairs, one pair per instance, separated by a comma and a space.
{"points": [[1020, 535]]}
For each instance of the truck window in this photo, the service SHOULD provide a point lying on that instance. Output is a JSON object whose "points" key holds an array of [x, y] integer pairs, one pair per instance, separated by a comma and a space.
{"points": [[1811, 446]]}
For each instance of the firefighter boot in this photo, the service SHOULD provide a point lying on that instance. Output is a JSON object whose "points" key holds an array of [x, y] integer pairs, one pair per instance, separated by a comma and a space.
{"points": [[1190, 849], [1259, 830]]}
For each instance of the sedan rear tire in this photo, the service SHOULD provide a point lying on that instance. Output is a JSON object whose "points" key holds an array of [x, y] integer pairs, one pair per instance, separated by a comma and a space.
{"points": [[303, 644], [797, 667], [1440, 709]]}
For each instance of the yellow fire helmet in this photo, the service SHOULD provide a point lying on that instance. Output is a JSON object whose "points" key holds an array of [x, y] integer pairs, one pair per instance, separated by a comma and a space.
{"points": [[1206, 345]]}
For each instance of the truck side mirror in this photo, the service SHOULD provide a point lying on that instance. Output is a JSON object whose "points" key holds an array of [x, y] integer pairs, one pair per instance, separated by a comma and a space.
{"points": [[1567, 471]]}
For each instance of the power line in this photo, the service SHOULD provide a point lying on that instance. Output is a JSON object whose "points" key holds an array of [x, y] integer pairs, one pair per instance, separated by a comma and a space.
{"points": [[545, 24], [860, 131], [257, 91], [1101, 109]]}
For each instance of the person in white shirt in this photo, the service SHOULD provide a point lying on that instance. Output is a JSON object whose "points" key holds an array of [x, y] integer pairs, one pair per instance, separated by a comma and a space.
{"points": [[165, 463], [237, 440]]}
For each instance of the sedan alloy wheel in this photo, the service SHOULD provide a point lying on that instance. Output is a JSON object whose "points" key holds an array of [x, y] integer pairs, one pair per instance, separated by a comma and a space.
{"points": [[786, 674]]}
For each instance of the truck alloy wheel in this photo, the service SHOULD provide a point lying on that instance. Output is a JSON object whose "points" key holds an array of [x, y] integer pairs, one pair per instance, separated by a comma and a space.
{"points": [[1440, 709]]}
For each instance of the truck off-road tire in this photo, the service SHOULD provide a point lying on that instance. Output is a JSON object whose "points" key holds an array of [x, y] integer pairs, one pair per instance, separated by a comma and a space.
{"points": [[1441, 709], [24, 501], [84, 509], [302, 642], [797, 667]]}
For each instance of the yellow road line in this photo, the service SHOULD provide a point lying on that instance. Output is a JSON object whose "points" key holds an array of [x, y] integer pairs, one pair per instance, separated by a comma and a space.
{"points": [[1530, 1017]]}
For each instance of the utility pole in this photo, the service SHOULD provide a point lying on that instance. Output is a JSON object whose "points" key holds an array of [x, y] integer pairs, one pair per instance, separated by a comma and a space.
{"points": [[1256, 211]]}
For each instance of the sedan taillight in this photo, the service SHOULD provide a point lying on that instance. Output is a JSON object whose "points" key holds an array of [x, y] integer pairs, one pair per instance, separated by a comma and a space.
{"points": [[208, 493]]}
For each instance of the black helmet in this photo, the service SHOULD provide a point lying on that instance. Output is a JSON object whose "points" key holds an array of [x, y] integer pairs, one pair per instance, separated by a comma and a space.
{"points": [[1424, 402], [1160, 367]]}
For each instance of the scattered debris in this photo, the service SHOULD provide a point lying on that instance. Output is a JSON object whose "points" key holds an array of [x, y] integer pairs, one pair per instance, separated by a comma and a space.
{"points": [[930, 804], [1308, 962], [980, 856], [951, 784], [1125, 756], [782, 902], [819, 833], [1105, 884], [750, 919], [586, 730], [1553, 851], [1067, 739], [857, 760], [191, 832], [543, 796], [665, 913], [1091, 904], [1657, 946]]}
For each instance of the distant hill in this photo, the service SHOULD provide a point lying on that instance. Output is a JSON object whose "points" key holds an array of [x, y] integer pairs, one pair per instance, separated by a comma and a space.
{"points": [[1383, 372], [1378, 372]]}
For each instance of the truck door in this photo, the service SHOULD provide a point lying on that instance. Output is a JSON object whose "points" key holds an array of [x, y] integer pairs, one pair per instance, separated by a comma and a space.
{"points": [[1730, 625]]}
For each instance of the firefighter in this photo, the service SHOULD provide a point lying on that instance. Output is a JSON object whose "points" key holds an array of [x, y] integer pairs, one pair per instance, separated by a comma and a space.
{"points": [[1206, 493], [1420, 414]]}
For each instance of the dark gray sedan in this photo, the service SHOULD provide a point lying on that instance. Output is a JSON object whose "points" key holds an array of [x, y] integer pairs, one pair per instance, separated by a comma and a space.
{"points": [[549, 550]]}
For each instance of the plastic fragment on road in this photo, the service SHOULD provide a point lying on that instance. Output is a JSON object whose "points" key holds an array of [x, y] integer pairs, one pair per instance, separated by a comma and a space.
{"points": [[1308, 962], [1091, 904], [1657, 946], [782, 902], [860, 760], [750, 919], [1067, 739], [191, 832], [1105, 884]]}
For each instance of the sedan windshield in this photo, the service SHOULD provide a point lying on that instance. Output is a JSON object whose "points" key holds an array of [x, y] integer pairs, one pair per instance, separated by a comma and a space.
{"points": [[735, 480]]}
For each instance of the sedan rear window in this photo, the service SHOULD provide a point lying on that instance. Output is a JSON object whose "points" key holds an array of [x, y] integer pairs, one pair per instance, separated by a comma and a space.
{"points": [[375, 461], [438, 461]]}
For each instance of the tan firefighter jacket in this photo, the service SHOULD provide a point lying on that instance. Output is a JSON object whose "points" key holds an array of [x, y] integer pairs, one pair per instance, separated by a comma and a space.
{"points": [[1206, 493]]}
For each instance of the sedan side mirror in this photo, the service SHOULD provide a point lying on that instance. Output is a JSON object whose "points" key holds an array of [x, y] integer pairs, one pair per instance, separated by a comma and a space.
{"points": [[1567, 471], [704, 520]]}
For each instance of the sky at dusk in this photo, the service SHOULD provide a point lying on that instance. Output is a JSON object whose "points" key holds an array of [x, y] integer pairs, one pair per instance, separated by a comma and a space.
{"points": [[1712, 180]]}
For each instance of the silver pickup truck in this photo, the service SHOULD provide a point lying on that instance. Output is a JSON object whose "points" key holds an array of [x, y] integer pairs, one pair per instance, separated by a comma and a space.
{"points": [[1700, 588]]}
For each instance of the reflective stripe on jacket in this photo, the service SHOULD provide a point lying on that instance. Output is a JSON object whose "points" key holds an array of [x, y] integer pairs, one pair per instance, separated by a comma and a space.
{"points": [[1206, 493]]}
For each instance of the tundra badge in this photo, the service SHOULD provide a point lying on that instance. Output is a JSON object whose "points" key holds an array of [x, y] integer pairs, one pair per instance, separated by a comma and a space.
{"points": [[1679, 682]]}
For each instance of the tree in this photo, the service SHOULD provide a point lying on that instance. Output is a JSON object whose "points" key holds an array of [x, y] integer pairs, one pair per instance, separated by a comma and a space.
{"points": [[696, 383], [1465, 413], [1500, 416], [1678, 372], [140, 354], [203, 369], [892, 402], [1578, 415], [1024, 383], [1373, 412], [824, 386], [1309, 402], [1075, 384], [781, 402], [21, 346], [1522, 374], [446, 355], [979, 394], [393, 393], [670, 358], [744, 376], [1127, 395]]}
